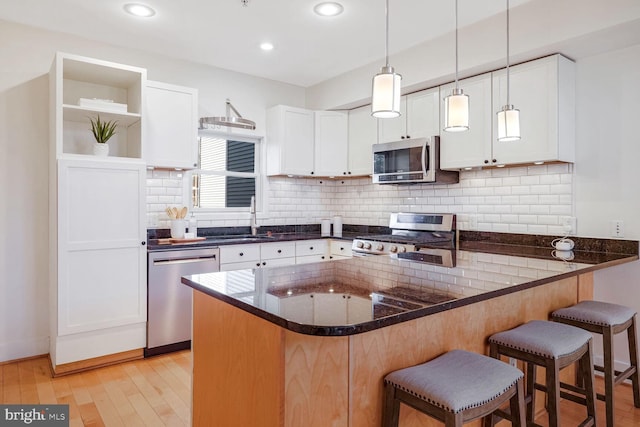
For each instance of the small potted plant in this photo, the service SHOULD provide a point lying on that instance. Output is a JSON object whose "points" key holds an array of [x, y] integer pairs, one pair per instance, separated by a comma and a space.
{"points": [[102, 132]]}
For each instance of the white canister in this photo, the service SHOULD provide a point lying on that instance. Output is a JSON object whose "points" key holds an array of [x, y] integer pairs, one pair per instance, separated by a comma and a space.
{"points": [[337, 226], [325, 227], [177, 228]]}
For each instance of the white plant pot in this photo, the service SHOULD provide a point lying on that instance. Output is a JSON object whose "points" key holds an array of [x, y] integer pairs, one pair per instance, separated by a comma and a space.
{"points": [[100, 149]]}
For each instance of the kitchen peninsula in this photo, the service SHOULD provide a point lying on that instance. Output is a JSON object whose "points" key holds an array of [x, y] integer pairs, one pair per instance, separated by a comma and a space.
{"points": [[308, 345]]}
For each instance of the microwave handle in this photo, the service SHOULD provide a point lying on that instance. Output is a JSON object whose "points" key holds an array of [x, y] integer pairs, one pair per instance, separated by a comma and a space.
{"points": [[425, 157]]}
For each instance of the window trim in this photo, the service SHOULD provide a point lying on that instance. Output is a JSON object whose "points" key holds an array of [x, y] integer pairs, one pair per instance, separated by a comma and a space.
{"points": [[231, 213]]}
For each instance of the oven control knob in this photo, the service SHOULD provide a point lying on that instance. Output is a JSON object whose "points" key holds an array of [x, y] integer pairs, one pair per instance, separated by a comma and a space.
{"points": [[402, 249], [359, 245], [367, 245], [393, 249], [379, 247]]}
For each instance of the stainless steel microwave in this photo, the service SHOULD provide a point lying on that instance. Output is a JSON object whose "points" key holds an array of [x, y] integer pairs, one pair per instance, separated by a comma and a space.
{"points": [[410, 161]]}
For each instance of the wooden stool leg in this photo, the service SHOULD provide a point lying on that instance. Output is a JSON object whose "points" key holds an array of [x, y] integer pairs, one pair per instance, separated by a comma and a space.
{"points": [[531, 391], [633, 357], [453, 420], [609, 375], [517, 407], [586, 367], [553, 392], [391, 409]]}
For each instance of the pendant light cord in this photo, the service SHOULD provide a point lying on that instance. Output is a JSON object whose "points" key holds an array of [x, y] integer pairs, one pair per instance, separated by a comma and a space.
{"points": [[456, 44], [508, 53], [386, 46]]}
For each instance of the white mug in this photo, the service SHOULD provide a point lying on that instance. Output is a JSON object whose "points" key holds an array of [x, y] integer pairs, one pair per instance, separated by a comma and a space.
{"points": [[563, 244]]}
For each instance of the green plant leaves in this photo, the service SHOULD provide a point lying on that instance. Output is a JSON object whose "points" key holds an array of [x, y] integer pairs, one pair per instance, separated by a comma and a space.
{"points": [[103, 130]]}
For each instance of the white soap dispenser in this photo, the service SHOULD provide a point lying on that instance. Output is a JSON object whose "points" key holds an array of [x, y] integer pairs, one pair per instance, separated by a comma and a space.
{"points": [[193, 225]]}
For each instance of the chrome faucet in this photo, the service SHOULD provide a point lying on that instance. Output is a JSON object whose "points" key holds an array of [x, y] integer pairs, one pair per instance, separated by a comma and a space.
{"points": [[252, 222]]}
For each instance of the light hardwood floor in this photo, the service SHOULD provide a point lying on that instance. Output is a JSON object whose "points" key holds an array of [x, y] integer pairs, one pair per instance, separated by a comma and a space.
{"points": [[157, 392]]}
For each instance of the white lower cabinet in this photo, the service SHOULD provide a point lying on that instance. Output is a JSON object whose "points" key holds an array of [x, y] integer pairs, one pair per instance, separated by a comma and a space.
{"points": [[340, 249], [278, 254], [240, 257], [98, 274], [312, 251]]}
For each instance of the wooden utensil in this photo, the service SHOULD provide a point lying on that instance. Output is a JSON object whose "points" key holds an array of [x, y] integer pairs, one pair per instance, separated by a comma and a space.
{"points": [[175, 212], [183, 212], [170, 213]]}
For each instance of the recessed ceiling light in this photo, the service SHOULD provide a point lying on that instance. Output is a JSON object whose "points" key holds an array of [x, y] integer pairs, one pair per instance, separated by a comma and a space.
{"points": [[139, 10], [328, 9], [266, 46]]}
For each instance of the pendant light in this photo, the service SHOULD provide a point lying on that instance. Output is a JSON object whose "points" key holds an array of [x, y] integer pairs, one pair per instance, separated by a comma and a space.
{"points": [[508, 117], [385, 99], [456, 105]]}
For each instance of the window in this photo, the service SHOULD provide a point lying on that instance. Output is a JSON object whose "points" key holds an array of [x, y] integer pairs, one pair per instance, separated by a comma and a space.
{"points": [[228, 174]]}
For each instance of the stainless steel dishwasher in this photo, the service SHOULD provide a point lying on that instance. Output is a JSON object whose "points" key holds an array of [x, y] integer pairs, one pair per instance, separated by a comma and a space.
{"points": [[169, 301]]}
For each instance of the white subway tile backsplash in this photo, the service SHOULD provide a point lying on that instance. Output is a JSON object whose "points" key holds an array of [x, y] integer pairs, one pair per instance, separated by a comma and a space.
{"points": [[516, 200]]}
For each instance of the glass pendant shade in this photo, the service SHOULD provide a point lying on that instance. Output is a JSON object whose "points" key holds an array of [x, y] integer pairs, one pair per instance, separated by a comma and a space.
{"points": [[385, 101], [456, 111], [508, 124]]}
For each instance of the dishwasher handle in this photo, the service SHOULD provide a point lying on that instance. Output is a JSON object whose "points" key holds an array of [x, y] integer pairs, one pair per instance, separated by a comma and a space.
{"points": [[183, 260]]}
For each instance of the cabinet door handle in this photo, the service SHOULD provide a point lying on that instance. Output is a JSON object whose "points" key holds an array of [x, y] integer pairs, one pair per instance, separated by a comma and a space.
{"points": [[311, 172], [279, 251], [241, 254], [322, 256], [264, 262], [257, 264], [486, 161], [143, 243], [494, 160], [408, 137], [402, 137], [311, 248]]}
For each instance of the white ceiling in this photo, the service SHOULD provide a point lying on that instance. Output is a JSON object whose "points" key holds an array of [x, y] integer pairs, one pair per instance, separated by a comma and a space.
{"points": [[308, 48]]}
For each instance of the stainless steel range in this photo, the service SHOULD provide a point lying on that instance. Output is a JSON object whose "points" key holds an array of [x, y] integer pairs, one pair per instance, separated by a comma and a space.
{"points": [[429, 234]]}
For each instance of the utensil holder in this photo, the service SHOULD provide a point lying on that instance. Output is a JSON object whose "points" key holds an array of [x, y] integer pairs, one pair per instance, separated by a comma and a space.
{"points": [[177, 228]]}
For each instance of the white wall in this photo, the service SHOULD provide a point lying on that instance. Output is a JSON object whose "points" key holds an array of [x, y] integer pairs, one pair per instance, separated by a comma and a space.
{"points": [[608, 104], [26, 55]]}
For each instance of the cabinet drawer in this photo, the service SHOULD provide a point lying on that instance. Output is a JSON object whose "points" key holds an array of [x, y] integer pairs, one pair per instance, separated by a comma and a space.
{"points": [[311, 247], [277, 250], [277, 262], [239, 253], [311, 258], [341, 248]]}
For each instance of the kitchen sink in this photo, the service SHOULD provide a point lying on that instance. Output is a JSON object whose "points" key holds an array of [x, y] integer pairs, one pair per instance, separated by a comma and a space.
{"points": [[240, 238]]}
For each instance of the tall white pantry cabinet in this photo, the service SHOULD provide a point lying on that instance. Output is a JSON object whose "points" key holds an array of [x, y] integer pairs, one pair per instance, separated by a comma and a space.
{"points": [[97, 215]]}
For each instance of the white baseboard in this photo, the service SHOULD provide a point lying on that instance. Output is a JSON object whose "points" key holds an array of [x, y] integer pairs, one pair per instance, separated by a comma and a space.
{"points": [[20, 349]]}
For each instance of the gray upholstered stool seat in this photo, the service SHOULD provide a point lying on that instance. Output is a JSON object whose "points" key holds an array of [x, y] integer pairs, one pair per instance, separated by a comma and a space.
{"points": [[553, 346], [608, 320], [456, 387]]}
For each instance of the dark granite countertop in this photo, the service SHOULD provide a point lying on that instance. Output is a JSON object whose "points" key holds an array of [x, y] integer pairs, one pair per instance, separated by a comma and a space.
{"points": [[360, 294]]}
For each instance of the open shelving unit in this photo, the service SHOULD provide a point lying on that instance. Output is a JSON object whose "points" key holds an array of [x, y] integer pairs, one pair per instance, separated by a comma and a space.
{"points": [[109, 85]]}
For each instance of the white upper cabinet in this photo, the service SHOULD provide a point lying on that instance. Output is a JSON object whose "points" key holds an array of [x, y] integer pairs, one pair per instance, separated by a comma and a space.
{"points": [[82, 88], [471, 147], [331, 136], [363, 133], [544, 92], [419, 117], [170, 126], [306, 143], [290, 141]]}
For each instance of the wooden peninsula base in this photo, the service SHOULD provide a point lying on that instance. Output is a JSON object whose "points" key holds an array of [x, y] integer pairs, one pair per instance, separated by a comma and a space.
{"points": [[250, 372]]}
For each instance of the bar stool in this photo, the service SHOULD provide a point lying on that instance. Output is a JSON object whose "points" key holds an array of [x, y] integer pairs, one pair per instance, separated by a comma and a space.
{"points": [[553, 346], [607, 320], [455, 388]]}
